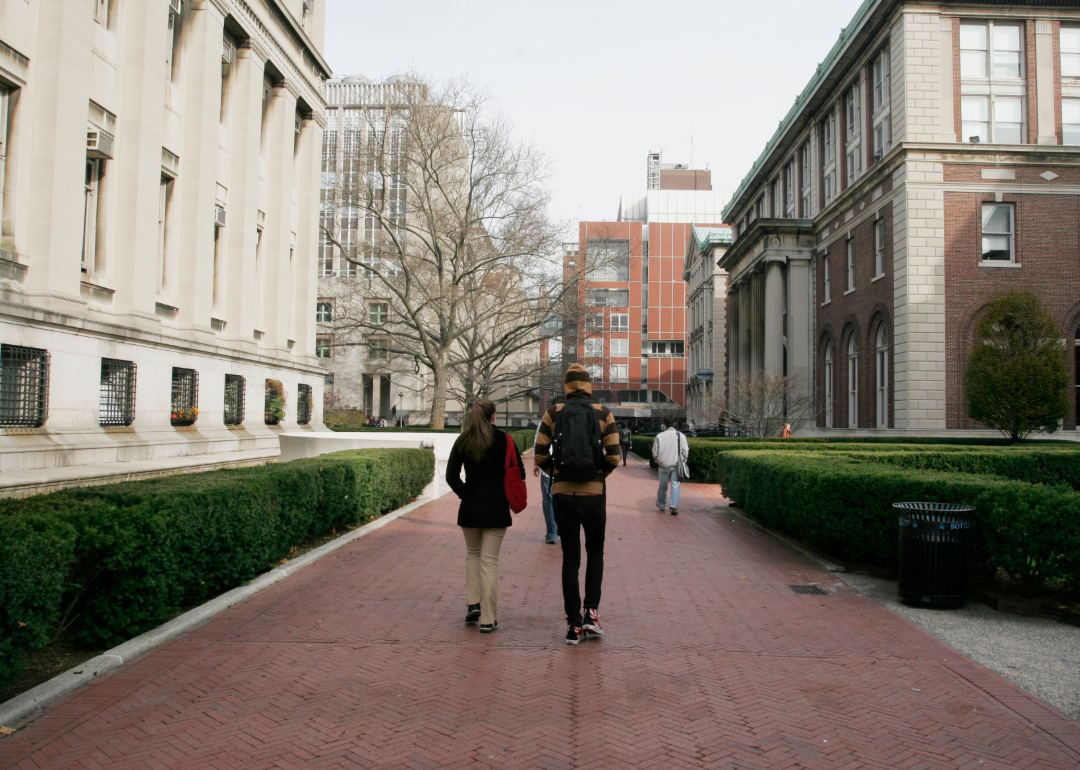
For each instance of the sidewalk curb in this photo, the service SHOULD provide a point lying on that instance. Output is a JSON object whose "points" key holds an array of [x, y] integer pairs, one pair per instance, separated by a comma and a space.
{"points": [[810, 553], [22, 708]]}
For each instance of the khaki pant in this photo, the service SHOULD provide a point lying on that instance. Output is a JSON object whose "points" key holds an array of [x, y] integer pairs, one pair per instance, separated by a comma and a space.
{"points": [[482, 569]]}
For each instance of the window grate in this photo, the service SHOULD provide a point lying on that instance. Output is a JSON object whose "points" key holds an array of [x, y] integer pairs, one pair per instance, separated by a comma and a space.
{"points": [[24, 387], [234, 399], [303, 404], [805, 589], [275, 402], [117, 404], [185, 396]]}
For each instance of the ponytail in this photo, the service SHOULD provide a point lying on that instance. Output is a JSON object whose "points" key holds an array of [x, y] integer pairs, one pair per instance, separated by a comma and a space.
{"points": [[476, 435]]}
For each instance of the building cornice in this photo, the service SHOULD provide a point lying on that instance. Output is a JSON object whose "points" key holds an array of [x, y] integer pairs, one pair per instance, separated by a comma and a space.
{"points": [[800, 229]]}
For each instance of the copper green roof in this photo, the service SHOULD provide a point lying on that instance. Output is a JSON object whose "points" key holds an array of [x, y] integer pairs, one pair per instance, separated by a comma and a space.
{"points": [[711, 236]]}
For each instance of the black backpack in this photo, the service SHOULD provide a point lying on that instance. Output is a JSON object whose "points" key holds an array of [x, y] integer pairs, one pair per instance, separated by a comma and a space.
{"points": [[577, 446]]}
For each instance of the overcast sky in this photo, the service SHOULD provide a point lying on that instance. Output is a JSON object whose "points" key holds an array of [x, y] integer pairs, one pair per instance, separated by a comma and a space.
{"points": [[596, 84]]}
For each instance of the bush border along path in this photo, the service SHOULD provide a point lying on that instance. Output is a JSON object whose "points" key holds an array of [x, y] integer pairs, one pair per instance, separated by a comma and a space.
{"points": [[122, 558], [837, 496]]}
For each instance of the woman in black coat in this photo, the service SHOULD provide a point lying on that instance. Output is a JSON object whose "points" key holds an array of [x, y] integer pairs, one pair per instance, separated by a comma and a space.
{"points": [[484, 513]]}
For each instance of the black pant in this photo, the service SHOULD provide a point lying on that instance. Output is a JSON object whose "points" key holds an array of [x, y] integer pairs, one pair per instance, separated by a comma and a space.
{"points": [[587, 512], [624, 448]]}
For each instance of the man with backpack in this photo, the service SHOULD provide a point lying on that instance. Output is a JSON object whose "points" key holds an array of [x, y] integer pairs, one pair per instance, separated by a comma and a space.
{"points": [[578, 446], [670, 451]]}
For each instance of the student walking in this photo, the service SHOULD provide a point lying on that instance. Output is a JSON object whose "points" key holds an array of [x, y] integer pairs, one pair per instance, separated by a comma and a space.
{"points": [[552, 535], [624, 441], [484, 513], [670, 451], [578, 445]]}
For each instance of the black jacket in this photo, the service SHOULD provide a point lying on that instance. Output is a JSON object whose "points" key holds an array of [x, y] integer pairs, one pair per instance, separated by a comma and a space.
{"points": [[483, 496]]}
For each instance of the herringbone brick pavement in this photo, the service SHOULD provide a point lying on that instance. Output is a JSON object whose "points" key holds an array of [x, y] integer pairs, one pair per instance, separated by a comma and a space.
{"points": [[710, 660]]}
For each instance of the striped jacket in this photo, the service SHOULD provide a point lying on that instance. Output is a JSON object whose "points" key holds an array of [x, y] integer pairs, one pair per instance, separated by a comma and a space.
{"points": [[609, 431]]}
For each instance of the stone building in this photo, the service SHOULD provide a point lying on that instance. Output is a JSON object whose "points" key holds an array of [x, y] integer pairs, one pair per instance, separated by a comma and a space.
{"points": [[931, 163], [160, 200], [706, 313]]}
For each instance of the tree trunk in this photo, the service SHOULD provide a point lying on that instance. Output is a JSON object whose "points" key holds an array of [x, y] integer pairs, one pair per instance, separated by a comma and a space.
{"points": [[438, 398]]}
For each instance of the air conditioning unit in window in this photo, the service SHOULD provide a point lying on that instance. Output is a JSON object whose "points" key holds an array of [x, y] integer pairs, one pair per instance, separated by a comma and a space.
{"points": [[99, 144], [309, 4], [219, 216], [226, 51], [174, 7], [878, 154]]}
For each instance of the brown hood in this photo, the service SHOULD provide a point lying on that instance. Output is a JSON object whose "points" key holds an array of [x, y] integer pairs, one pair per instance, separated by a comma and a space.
{"points": [[578, 383]]}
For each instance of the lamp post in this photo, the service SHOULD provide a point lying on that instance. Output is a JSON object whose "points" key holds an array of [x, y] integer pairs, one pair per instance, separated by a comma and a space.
{"points": [[401, 419]]}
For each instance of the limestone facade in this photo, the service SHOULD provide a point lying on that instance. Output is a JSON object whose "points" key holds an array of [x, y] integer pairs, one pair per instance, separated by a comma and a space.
{"points": [[160, 206], [706, 312], [918, 175]]}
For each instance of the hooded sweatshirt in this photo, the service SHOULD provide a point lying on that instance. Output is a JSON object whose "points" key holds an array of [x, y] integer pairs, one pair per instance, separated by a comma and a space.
{"points": [[578, 384]]}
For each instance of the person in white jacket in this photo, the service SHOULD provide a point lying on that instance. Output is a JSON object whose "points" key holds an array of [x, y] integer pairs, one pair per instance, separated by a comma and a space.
{"points": [[670, 450]]}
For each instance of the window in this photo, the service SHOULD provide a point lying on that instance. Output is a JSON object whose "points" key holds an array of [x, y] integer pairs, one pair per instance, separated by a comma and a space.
{"points": [[235, 387], [620, 348], [828, 134], [826, 272], [377, 313], [879, 248], [997, 232], [607, 259], [853, 382], [804, 179], [1070, 52], [322, 313], [619, 373], [594, 322], [376, 350], [91, 200], [596, 372], [850, 264], [881, 375], [1070, 121], [882, 81], [828, 384], [789, 190], [101, 12], [172, 68], [594, 347], [990, 50], [620, 322], [666, 349], [853, 111], [165, 196], [882, 119], [185, 396], [999, 119], [607, 297], [274, 402], [116, 405], [303, 404], [322, 347], [24, 387]]}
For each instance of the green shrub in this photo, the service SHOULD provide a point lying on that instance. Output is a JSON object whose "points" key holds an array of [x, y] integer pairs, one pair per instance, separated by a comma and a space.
{"points": [[393, 429], [1031, 465], [523, 439], [842, 504], [130, 555]]}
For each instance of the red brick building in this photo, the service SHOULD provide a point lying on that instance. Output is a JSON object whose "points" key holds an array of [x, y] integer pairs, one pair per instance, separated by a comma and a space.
{"points": [[932, 162], [629, 328]]}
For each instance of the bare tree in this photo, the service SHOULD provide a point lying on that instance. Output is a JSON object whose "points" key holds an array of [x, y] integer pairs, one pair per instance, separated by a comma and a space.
{"points": [[760, 404], [459, 262]]}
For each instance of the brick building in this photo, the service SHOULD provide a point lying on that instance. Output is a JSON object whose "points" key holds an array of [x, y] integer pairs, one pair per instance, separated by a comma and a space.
{"points": [[630, 326], [931, 163]]}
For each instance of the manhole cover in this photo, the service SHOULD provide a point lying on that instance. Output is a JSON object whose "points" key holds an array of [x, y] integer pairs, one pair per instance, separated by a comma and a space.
{"points": [[801, 589]]}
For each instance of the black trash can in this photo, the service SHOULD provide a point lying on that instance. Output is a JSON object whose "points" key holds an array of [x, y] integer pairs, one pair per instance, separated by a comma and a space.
{"points": [[933, 552]]}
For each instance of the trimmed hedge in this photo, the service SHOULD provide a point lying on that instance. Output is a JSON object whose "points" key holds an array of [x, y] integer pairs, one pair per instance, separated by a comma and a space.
{"points": [[842, 504], [119, 559], [390, 429], [1032, 465]]}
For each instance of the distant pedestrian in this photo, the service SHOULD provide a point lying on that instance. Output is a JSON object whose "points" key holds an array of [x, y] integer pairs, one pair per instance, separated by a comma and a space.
{"points": [[484, 513], [693, 427], [624, 441], [382, 422], [552, 535], [786, 432], [578, 445], [670, 450]]}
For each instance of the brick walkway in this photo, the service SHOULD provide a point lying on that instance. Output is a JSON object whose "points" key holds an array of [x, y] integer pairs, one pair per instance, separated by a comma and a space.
{"points": [[710, 660]]}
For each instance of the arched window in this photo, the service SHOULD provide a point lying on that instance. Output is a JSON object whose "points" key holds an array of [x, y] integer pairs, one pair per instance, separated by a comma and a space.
{"points": [[853, 381], [828, 384], [881, 374]]}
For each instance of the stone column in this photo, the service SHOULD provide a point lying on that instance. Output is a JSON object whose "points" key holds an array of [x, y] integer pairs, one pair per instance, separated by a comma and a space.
{"points": [[733, 330], [199, 160], [376, 395], [1044, 82], [745, 322], [278, 233], [305, 290], [757, 321], [773, 318], [242, 296], [801, 334]]}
